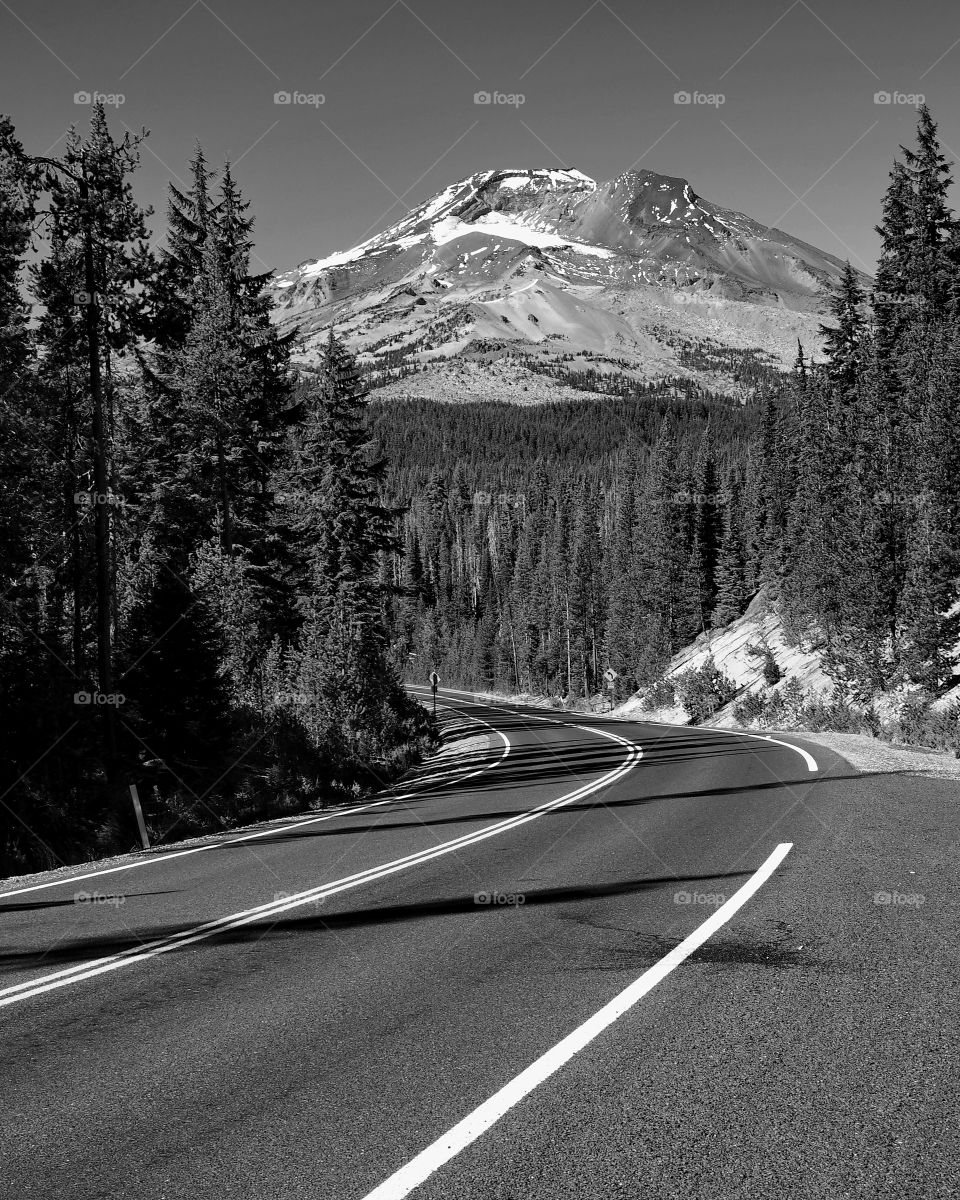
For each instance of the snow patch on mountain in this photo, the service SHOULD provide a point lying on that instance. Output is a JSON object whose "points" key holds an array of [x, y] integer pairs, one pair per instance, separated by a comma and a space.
{"points": [[451, 228]]}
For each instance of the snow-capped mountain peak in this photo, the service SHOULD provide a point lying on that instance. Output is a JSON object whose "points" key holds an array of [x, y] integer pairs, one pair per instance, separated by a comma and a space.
{"points": [[548, 261]]}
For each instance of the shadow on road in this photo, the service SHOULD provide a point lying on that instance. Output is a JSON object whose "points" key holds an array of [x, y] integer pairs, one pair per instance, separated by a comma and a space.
{"points": [[88, 948]]}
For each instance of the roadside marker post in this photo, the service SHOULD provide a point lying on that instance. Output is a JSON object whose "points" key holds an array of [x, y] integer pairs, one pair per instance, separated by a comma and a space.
{"points": [[140, 821], [610, 677]]}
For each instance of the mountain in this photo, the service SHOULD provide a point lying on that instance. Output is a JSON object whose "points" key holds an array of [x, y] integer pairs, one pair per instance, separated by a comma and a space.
{"points": [[529, 283]]}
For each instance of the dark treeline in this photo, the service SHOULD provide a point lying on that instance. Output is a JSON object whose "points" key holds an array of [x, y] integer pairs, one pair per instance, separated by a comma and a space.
{"points": [[192, 540], [862, 458], [546, 545]]}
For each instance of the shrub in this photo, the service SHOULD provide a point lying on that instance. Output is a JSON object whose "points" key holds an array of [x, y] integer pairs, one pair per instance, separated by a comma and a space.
{"points": [[750, 708], [792, 699], [770, 670], [832, 716], [661, 694], [913, 721], [920, 725], [703, 690]]}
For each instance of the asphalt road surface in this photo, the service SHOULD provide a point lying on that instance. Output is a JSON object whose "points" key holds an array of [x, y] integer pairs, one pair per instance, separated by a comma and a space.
{"points": [[592, 959]]}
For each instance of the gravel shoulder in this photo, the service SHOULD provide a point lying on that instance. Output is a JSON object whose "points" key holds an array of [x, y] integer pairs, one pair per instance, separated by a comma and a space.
{"points": [[878, 757]]}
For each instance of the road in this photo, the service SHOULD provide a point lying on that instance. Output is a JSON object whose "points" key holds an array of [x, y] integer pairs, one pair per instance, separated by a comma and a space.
{"points": [[594, 959]]}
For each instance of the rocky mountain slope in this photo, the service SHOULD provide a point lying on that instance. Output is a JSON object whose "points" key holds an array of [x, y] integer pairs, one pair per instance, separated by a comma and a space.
{"points": [[561, 280]]}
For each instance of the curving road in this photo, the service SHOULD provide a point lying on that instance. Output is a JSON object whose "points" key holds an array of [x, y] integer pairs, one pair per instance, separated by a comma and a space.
{"points": [[591, 959]]}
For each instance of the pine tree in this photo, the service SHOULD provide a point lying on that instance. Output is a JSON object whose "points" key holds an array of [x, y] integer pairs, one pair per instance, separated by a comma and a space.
{"points": [[171, 284], [930, 273], [933, 552], [842, 339], [341, 528], [99, 231], [732, 589], [700, 584], [585, 597], [662, 552], [894, 276], [625, 601], [177, 713]]}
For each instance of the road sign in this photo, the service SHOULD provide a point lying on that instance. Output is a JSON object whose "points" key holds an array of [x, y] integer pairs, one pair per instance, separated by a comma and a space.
{"points": [[610, 675], [434, 680]]}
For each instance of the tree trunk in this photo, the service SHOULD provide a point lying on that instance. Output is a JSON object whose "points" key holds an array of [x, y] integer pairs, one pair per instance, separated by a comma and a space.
{"points": [[100, 484]]}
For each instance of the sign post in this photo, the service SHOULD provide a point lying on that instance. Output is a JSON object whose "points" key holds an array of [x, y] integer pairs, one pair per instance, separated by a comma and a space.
{"points": [[434, 684], [141, 824], [610, 676]]}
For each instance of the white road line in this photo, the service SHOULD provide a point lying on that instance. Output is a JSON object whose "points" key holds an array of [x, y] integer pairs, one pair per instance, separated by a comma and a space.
{"points": [[403, 1182], [159, 859], [808, 758], [760, 737], [479, 770], [86, 970]]}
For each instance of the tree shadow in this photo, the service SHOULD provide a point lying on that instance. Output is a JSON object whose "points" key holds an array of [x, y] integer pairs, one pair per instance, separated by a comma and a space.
{"points": [[84, 900], [87, 949]]}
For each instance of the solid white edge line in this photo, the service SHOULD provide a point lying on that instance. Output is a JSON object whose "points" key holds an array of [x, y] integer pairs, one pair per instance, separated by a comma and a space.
{"points": [[758, 737], [811, 763], [165, 858], [86, 970], [808, 758], [446, 1147], [479, 770], [248, 837]]}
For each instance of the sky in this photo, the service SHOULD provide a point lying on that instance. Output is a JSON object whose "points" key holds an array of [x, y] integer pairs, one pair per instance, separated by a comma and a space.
{"points": [[785, 119]]}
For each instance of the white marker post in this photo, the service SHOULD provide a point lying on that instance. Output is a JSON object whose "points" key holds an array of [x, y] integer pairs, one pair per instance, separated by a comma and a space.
{"points": [[140, 821]]}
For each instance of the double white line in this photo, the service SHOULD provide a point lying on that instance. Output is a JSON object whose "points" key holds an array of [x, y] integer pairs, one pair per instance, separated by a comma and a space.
{"points": [[198, 933]]}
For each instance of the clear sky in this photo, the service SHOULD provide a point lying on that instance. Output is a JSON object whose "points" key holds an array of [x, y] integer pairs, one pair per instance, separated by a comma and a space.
{"points": [[798, 141]]}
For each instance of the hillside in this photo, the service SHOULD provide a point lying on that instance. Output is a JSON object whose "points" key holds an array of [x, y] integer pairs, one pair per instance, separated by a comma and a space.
{"points": [[737, 651], [802, 688]]}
